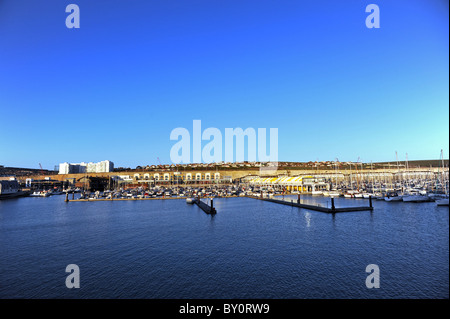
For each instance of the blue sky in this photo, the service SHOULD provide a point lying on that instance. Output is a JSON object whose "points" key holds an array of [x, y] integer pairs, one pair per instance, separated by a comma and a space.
{"points": [[135, 70]]}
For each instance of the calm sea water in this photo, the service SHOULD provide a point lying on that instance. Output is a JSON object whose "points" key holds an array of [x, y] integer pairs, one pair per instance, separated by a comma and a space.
{"points": [[250, 249]]}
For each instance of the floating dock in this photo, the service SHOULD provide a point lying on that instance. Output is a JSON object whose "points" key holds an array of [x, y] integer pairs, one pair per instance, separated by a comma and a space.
{"points": [[210, 210], [331, 210]]}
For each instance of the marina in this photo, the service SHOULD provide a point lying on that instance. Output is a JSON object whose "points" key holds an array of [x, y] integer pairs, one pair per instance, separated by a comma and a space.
{"points": [[418, 191], [225, 158]]}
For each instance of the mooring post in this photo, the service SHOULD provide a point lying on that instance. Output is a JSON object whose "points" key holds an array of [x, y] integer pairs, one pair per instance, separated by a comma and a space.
{"points": [[332, 204], [212, 205], [370, 201], [73, 195], [298, 199], [67, 197]]}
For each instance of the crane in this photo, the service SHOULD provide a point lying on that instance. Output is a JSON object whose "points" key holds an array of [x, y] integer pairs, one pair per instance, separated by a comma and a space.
{"points": [[42, 170]]}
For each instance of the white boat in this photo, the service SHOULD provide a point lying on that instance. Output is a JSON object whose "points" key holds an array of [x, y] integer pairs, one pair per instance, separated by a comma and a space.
{"points": [[334, 194], [189, 200], [40, 194], [393, 198], [348, 195], [442, 202], [316, 193], [358, 195]]}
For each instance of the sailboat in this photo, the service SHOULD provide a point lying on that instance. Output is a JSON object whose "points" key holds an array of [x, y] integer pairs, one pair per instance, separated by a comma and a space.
{"points": [[396, 197], [413, 196], [443, 201], [334, 192], [366, 194], [393, 198]]}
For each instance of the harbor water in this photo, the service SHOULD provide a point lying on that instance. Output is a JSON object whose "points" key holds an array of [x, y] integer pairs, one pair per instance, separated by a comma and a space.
{"points": [[249, 249]]}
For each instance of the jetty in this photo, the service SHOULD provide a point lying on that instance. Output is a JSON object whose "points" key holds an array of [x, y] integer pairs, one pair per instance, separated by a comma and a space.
{"points": [[322, 209], [208, 209]]}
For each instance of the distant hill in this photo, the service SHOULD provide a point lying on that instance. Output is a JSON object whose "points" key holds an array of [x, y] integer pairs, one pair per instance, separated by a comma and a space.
{"points": [[419, 163], [19, 171]]}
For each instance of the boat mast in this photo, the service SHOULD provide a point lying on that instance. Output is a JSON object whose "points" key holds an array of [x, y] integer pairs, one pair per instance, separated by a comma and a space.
{"points": [[398, 171], [407, 169], [351, 179], [373, 178], [443, 172], [335, 166], [358, 176]]}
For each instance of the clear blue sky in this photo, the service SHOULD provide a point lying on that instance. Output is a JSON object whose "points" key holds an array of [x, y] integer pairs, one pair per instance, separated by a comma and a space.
{"points": [[135, 70]]}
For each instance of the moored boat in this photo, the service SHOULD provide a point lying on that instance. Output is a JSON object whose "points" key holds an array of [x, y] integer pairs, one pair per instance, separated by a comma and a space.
{"points": [[40, 194], [393, 198], [334, 194]]}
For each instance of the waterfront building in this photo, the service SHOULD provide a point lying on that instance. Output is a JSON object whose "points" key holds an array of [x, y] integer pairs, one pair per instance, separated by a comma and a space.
{"points": [[77, 168], [172, 178], [296, 183]]}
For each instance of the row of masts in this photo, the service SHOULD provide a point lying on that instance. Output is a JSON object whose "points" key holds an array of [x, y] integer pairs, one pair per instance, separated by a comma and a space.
{"points": [[404, 179]]}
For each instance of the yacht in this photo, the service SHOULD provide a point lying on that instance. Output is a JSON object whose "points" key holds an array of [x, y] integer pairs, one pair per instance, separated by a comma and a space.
{"points": [[40, 194], [333, 194], [393, 198]]}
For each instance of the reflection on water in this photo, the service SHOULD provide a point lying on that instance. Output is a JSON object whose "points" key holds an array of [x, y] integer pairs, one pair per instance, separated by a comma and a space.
{"points": [[308, 219]]}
